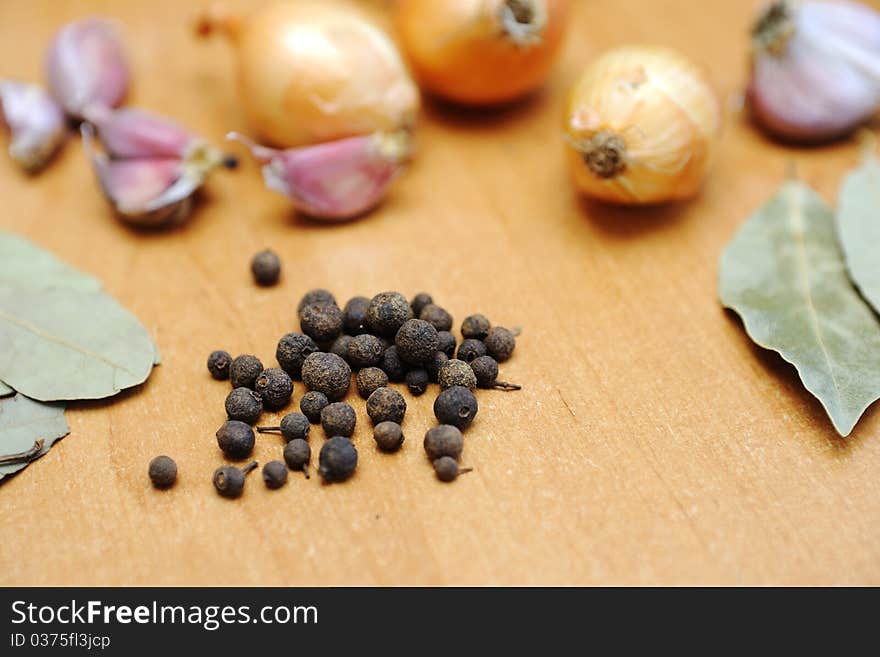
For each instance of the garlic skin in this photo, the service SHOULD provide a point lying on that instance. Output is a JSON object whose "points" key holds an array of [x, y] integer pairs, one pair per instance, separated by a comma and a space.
{"points": [[336, 180], [36, 123], [86, 67], [641, 126], [148, 187], [133, 133], [815, 69], [313, 71], [481, 52]]}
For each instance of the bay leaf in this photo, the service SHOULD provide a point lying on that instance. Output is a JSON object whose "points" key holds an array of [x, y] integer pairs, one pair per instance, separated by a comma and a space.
{"points": [[784, 274], [62, 336], [858, 225], [5, 390], [23, 422]]}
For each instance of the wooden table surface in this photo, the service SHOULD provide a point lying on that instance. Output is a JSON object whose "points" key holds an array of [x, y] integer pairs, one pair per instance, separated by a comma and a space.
{"points": [[651, 444]]}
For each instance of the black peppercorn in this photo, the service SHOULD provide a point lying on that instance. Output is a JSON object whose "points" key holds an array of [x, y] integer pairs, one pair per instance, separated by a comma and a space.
{"points": [[387, 313], [275, 387], [321, 321], [311, 405], [236, 439], [416, 341], [229, 480], [435, 363], [392, 365], [486, 370], [313, 297], [244, 370], [338, 459], [419, 301], [355, 315], [266, 267], [365, 350], [338, 419], [388, 436], [446, 343], [340, 346], [456, 372], [437, 317], [297, 455], [500, 343], [417, 381], [327, 373], [218, 365], [293, 426], [456, 406], [447, 469], [475, 326], [244, 404], [470, 349], [386, 405], [292, 351], [369, 379], [163, 472], [275, 474], [445, 440]]}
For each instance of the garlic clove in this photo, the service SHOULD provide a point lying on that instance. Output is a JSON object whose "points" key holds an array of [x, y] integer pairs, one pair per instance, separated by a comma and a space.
{"points": [[815, 69], [36, 123], [335, 180], [86, 67], [132, 133]]}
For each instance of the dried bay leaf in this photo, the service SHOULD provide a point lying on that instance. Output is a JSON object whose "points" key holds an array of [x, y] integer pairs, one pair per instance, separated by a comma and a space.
{"points": [[61, 336], [784, 274], [858, 225], [23, 422]]}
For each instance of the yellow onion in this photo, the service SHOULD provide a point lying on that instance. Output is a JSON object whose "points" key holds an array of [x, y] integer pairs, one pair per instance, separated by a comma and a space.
{"points": [[312, 71], [641, 126], [481, 52]]}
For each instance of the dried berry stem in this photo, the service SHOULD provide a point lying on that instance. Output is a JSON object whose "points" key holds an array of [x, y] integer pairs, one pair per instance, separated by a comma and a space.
{"points": [[250, 466], [26, 455], [462, 471], [269, 429], [504, 385]]}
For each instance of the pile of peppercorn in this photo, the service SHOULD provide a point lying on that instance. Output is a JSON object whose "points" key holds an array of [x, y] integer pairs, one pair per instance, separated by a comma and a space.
{"points": [[384, 339]]}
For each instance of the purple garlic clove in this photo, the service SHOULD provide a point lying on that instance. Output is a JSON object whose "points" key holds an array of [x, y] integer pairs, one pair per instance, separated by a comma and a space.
{"points": [[815, 69], [86, 67], [335, 180], [36, 123], [151, 191], [130, 133]]}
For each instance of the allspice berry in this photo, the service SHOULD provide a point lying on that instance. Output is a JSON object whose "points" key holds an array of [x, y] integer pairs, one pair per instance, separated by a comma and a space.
{"points": [[456, 372], [315, 296], [475, 326], [456, 406], [365, 350], [275, 474], [486, 370], [163, 472], [437, 317], [337, 460], [416, 341], [297, 455], [386, 405], [244, 370], [354, 315], [275, 386], [321, 321], [388, 436], [387, 312], [229, 480], [311, 404], [446, 343], [266, 267], [437, 360], [500, 343], [445, 440], [293, 426], [419, 301], [447, 469], [392, 365], [292, 351], [338, 419], [327, 373], [470, 349], [369, 379], [236, 439], [340, 346], [417, 381], [244, 404], [218, 365]]}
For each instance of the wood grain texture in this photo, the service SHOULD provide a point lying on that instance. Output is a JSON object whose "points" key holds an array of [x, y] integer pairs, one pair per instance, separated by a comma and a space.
{"points": [[652, 443]]}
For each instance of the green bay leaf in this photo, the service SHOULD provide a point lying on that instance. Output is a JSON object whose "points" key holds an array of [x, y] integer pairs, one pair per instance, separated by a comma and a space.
{"points": [[858, 225], [24, 421], [61, 336], [784, 275]]}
